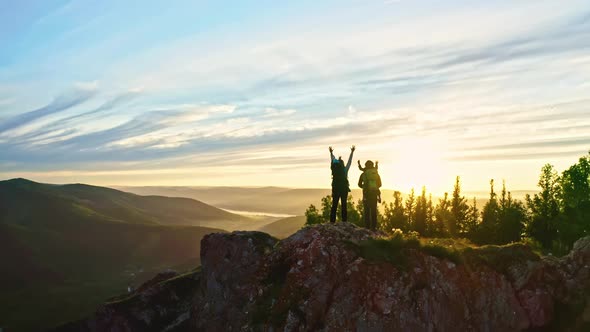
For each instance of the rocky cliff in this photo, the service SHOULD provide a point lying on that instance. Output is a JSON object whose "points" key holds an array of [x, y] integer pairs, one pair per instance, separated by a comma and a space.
{"points": [[339, 278]]}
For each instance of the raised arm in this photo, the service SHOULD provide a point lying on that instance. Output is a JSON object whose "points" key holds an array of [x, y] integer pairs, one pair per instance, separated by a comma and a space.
{"points": [[331, 154], [352, 148]]}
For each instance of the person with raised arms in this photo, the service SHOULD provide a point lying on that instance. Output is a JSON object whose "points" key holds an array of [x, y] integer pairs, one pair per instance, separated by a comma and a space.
{"points": [[340, 185]]}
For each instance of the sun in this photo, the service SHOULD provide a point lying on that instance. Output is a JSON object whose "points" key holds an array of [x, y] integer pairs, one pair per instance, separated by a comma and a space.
{"points": [[414, 162]]}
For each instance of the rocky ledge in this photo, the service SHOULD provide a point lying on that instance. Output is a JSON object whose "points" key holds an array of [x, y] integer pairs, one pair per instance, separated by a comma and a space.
{"points": [[339, 278]]}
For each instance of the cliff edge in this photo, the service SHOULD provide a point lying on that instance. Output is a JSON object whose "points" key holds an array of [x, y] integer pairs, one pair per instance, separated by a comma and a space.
{"points": [[344, 278]]}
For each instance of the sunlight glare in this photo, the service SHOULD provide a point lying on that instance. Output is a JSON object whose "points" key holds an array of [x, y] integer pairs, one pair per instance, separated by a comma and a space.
{"points": [[417, 162]]}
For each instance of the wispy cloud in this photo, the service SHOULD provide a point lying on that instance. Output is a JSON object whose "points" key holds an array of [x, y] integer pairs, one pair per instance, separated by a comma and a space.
{"points": [[273, 112], [447, 73], [59, 104]]}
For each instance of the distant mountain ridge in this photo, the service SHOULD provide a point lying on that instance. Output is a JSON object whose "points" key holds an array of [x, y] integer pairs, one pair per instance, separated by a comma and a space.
{"points": [[292, 201], [107, 204], [66, 248]]}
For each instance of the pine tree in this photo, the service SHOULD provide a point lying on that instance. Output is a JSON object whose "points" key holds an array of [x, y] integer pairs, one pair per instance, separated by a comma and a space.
{"points": [[472, 222], [394, 215], [430, 227], [511, 218], [545, 208], [488, 229], [442, 215], [459, 209], [420, 213], [410, 207]]}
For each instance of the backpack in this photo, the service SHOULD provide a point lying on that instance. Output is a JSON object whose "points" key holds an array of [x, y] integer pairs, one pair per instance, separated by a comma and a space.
{"points": [[339, 177], [371, 179]]}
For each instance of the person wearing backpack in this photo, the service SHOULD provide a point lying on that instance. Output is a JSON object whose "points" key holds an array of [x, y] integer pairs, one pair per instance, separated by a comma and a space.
{"points": [[340, 186], [362, 169], [370, 182]]}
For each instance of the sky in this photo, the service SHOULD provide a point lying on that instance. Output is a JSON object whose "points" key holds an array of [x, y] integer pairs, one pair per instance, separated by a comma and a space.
{"points": [[252, 93]]}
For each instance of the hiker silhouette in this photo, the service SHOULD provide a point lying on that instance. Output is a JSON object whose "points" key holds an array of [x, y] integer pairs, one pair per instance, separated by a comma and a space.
{"points": [[370, 182], [340, 185], [362, 169]]}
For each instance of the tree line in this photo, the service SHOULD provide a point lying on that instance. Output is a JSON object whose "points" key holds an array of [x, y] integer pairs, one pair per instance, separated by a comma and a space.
{"points": [[554, 218]]}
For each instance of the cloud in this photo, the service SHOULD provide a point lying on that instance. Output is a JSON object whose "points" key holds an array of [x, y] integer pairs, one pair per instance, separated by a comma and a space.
{"points": [[536, 145], [160, 135], [6, 101], [570, 36], [273, 112], [550, 155], [59, 104], [71, 121], [488, 93]]}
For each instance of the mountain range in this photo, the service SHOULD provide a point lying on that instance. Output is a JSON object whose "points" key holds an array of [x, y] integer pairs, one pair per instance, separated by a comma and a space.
{"points": [[66, 248]]}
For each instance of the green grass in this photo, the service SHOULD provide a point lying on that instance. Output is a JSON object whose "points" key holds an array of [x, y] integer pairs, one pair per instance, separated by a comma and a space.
{"points": [[442, 252], [499, 258], [395, 250], [391, 250]]}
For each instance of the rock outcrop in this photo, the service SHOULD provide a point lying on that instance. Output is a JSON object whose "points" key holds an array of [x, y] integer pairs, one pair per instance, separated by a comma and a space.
{"points": [[318, 279]]}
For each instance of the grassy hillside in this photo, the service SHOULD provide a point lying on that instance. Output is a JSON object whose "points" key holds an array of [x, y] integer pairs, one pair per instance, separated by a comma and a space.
{"points": [[284, 227], [65, 249], [19, 195]]}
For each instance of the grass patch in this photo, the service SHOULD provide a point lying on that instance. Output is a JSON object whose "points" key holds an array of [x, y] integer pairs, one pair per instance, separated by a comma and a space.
{"points": [[499, 258], [441, 252], [390, 250], [394, 250]]}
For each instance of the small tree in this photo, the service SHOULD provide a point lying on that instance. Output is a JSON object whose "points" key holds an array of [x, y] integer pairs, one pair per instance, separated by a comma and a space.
{"points": [[313, 216], [575, 184], [326, 207], [442, 214], [394, 215], [409, 211], [354, 214], [487, 230], [544, 208], [472, 221], [575, 188], [420, 213], [459, 210], [430, 226], [512, 218]]}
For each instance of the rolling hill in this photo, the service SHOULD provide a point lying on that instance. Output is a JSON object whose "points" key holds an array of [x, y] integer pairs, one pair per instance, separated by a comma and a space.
{"points": [[65, 249], [283, 228], [100, 203]]}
